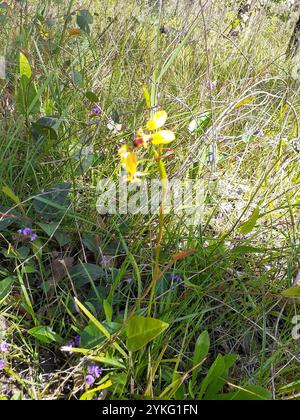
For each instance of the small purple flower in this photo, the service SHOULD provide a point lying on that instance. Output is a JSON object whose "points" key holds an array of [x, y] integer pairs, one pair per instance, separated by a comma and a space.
{"points": [[4, 347], [2, 364], [27, 233], [90, 380], [77, 340], [97, 110], [176, 279], [95, 371], [259, 132], [211, 85]]}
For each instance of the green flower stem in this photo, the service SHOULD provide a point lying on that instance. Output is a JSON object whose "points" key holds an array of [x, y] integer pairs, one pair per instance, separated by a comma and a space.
{"points": [[165, 183]]}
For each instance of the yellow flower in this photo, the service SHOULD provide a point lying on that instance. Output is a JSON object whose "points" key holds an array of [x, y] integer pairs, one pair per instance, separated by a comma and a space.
{"points": [[141, 140], [163, 137], [130, 162], [159, 119]]}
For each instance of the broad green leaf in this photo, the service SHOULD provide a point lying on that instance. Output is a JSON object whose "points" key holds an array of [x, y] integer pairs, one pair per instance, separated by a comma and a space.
{"points": [[25, 68], [91, 242], [45, 334], [92, 97], [83, 274], [115, 116], [27, 101], [52, 230], [119, 380], [91, 336], [8, 217], [200, 354], [91, 317], [217, 372], [23, 252], [84, 20], [84, 157], [49, 228], [247, 227], [217, 384], [100, 327], [76, 77], [5, 287], [29, 269], [249, 393], [53, 203], [62, 238], [141, 331], [47, 127], [292, 292]]}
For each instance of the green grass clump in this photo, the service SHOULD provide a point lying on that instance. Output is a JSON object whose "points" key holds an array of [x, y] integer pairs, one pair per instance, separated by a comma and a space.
{"points": [[217, 325]]}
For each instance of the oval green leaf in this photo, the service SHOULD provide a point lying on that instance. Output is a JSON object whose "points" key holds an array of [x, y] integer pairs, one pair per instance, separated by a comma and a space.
{"points": [[141, 331], [45, 334]]}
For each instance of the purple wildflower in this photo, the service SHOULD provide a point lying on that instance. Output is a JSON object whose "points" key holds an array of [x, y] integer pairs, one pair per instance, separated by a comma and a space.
{"points": [[77, 340], [96, 110], [27, 233], [211, 85], [95, 371], [176, 279], [2, 364], [90, 380], [4, 347], [259, 132]]}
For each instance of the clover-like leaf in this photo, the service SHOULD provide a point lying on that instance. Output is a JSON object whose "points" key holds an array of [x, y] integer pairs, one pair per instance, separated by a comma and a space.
{"points": [[84, 20]]}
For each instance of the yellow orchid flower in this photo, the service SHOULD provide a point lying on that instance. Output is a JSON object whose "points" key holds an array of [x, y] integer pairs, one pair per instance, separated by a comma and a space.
{"points": [[157, 121], [163, 137], [130, 162], [142, 139]]}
